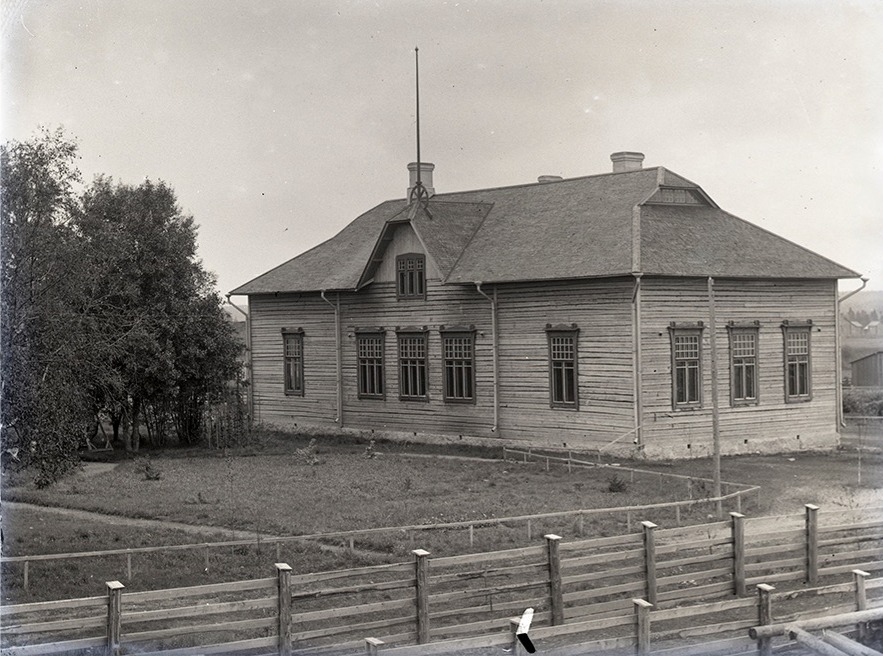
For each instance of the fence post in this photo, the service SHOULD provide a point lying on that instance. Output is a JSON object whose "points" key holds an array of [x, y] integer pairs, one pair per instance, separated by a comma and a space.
{"points": [[650, 560], [812, 544], [557, 600], [421, 566], [861, 601], [129, 565], [737, 529], [764, 616], [27, 563], [114, 612], [642, 625], [283, 587], [372, 646]]}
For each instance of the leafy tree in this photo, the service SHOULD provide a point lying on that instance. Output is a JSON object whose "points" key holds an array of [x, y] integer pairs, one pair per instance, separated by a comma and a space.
{"points": [[51, 332], [178, 348]]}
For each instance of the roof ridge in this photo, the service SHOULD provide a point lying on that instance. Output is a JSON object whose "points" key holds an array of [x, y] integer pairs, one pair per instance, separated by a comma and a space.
{"points": [[471, 237], [536, 184]]}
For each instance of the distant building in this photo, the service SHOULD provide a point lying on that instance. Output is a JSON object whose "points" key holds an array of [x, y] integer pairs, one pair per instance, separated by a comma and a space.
{"points": [[868, 371], [571, 313]]}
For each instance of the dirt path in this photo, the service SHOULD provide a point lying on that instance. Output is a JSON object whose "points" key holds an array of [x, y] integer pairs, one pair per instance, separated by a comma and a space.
{"points": [[216, 532]]}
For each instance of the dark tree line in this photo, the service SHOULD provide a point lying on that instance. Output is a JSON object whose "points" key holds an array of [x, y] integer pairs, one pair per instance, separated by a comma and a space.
{"points": [[105, 310]]}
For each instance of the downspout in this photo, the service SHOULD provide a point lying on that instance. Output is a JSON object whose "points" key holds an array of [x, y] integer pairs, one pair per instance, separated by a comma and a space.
{"points": [[838, 357], [339, 347], [638, 362], [495, 346], [248, 364], [715, 418]]}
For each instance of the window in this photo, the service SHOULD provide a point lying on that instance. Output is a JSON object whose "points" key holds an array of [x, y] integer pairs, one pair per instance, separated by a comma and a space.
{"points": [[459, 364], [686, 366], [743, 364], [798, 378], [370, 349], [412, 367], [411, 276], [563, 372], [293, 348]]}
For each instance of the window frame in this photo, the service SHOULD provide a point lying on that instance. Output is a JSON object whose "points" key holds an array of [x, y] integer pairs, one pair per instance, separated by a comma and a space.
{"points": [[791, 329], [570, 331], [420, 364], [735, 330], [458, 364], [419, 260], [363, 361], [295, 336], [675, 331]]}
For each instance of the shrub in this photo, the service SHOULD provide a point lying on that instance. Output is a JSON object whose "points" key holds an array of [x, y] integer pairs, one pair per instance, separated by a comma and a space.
{"points": [[616, 484], [863, 402]]}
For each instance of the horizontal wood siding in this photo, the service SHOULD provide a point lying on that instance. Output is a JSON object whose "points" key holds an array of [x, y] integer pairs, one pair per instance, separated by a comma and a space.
{"points": [[445, 305], [601, 311], [269, 315], [771, 425]]}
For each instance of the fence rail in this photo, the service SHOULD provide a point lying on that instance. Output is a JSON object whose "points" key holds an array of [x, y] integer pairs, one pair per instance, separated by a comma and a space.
{"points": [[576, 587]]}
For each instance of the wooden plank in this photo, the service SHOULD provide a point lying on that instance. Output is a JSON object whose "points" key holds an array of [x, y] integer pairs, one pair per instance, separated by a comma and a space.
{"points": [[602, 559], [479, 627], [517, 570], [605, 574], [726, 645], [696, 560], [366, 628], [367, 587], [602, 610], [394, 568], [695, 591], [442, 597], [494, 556], [840, 569], [703, 630], [220, 648], [696, 544], [444, 647], [704, 609], [694, 576], [540, 632], [774, 564], [55, 625], [504, 607], [349, 611], [757, 552], [55, 647], [238, 625], [64, 604], [202, 610], [636, 587], [192, 591], [629, 539]]}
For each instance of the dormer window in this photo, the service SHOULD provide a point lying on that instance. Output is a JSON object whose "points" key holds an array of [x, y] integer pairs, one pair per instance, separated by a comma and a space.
{"points": [[411, 276], [677, 196]]}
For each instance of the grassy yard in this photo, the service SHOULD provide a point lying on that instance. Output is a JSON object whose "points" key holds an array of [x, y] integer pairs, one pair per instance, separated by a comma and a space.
{"points": [[282, 489]]}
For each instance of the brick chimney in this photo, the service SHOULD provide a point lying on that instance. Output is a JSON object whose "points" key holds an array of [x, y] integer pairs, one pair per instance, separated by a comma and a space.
{"points": [[627, 161], [426, 170]]}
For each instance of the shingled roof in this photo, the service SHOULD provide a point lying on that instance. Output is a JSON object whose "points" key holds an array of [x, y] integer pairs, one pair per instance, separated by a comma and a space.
{"points": [[589, 227]]}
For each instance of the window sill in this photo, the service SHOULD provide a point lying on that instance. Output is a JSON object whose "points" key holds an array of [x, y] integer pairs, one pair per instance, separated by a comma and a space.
{"points": [[293, 393], [798, 399]]}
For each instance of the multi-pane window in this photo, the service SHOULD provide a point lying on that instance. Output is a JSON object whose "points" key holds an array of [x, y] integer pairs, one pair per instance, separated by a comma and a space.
{"points": [[293, 352], [743, 365], [370, 348], [563, 372], [798, 380], [411, 276], [686, 346], [459, 364], [412, 367]]}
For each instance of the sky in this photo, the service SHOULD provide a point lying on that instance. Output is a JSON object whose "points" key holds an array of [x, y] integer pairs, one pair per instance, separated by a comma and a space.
{"points": [[277, 122]]}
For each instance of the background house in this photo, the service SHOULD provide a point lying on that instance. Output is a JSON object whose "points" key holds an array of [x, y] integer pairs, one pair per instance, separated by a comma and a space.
{"points": [[569, 313], [868, 371]]}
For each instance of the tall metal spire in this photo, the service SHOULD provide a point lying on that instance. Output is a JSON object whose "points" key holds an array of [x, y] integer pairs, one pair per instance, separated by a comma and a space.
{"points": [[419, 193]]}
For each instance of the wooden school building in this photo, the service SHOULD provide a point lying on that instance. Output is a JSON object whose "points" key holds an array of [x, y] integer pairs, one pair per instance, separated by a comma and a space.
{"points": [[575, 313]]}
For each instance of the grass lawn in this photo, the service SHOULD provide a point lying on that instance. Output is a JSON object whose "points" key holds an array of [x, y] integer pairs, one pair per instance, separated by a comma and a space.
{"points": [[273, 489]]}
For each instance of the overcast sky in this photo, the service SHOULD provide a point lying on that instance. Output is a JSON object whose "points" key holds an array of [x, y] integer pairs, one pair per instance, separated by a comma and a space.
{"points": [[278, 122]]}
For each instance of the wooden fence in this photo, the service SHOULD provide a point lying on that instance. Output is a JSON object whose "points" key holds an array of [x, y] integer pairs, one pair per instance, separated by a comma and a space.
{"points": [[577, 587]]}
